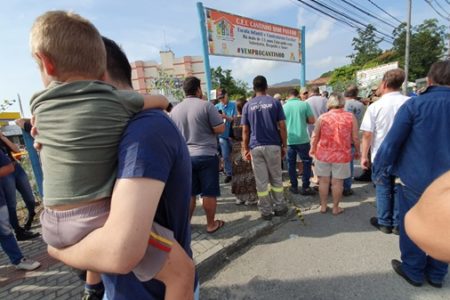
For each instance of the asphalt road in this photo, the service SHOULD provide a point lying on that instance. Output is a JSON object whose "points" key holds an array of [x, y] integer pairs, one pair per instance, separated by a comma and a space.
{"points": [[329, 257]]}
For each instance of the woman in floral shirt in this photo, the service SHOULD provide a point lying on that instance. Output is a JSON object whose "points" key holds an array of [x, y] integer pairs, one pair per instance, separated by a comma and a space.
{"points": [[331, 143]]}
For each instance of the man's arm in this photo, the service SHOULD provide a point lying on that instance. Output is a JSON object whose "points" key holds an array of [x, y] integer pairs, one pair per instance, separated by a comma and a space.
{"points": [[155, 101], [6, 170], [315, 136], [219, 129], [245, 142], [311, 120], [427, 223], [13, 147], [366, 142], [355, 137], [121, 243], [283, 135]]}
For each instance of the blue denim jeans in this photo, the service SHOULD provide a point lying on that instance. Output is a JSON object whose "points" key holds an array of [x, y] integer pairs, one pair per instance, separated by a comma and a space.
{"points": [[348, 181], [387, 201], [17, 180], [8, 241], [301, 150], [416, 263], [225, 148]]}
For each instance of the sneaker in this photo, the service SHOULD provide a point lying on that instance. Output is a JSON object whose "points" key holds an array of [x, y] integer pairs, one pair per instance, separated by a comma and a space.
{"points": [[24, 235], [293, 190], [365, 176], [347, 193], [28, 264], [227, 179], [251, 203], [92, 294], [29, 222], [307, 192], [280, 213], [382, 228], [239, 202]]}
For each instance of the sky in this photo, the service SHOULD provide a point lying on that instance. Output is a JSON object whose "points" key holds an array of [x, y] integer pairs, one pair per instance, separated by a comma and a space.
{"points": [[144, 27]]}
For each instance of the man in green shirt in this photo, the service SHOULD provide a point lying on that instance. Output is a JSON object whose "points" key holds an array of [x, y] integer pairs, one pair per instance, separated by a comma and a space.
{"points": [[298, 116]]}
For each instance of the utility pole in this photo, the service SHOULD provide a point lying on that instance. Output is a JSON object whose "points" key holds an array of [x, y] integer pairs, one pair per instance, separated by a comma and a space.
{"points": [[408, 37]]}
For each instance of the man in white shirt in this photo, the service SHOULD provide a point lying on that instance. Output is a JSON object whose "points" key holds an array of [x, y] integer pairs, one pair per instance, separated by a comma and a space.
{"points": [[375, 125]]}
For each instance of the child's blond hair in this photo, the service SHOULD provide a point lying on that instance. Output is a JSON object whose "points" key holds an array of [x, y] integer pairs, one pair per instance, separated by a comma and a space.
{"points": [[72, 43]]}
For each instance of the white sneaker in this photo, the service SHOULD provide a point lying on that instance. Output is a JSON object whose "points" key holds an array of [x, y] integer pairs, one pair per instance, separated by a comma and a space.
{"points": [[28, 264]]}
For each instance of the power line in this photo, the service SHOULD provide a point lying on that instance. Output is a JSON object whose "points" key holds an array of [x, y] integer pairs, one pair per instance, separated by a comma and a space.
{"points": [[350, 18], [356, 13], [440, 6], [344, 21], [380, 8], [340, 24], [430, 3], [367, 13]]}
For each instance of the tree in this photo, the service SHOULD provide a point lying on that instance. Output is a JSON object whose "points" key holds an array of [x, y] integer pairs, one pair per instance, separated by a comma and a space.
{"points": [[427, 45], [223, 78], [366, 46], [168, 85], [6, 104]]}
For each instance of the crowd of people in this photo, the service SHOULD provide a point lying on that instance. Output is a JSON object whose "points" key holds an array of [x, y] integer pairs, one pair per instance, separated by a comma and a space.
{"points": [[121, 171]]}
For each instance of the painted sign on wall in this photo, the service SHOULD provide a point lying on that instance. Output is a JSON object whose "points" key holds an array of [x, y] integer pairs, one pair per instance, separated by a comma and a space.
{"points": [[232, 35]]}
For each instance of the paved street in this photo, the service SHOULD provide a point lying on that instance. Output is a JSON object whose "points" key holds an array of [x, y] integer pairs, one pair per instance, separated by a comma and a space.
{"points": [[328, 257], [324, 257], [53, 280]]}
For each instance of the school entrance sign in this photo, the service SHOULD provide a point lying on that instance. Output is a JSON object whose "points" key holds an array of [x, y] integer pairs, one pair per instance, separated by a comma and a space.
{"points": [[226, 34], [231, 35]]}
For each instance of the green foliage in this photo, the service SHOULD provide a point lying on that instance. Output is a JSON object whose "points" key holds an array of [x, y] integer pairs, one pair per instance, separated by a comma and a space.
{"points": [[426, 47], [6, 104], [234, 87], [168, 85], [343, 76], [366, 46]]}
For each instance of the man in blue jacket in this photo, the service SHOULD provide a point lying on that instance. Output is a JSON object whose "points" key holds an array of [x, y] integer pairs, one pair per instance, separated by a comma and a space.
{"points": [[417, 150]]}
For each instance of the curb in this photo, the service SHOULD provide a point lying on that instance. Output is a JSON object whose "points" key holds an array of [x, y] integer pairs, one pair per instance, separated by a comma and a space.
{"points": [[212, 261]]}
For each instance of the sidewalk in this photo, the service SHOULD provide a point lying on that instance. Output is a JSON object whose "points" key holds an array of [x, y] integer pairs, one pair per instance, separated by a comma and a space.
{"points": [[54, 280]]}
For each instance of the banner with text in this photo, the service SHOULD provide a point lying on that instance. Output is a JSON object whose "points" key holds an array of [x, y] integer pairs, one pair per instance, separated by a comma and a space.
{"points": [[232, 35]]}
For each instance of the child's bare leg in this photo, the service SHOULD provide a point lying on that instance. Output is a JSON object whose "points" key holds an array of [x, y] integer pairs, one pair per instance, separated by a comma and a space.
{"points": [[178, 274], [93, 288]]}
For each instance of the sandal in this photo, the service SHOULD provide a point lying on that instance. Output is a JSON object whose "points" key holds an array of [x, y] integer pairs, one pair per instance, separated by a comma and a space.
{"points": [[340, 211], [219, 223]]}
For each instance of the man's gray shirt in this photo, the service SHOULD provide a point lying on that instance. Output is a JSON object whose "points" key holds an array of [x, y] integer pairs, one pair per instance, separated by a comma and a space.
{"points": [[196, 118], [356, 107], [318, 106]]}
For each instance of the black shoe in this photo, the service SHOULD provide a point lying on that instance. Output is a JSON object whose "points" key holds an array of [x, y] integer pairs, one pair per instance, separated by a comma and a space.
{"points": [[395, 230], [227, 179], [365, 176], [382, 228], [307, 192], [267, 217], [280, 213], [397, 266], [91, 294], [29, 221], [23, 235], [293, 190], [347, 193], [434, 284]]}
